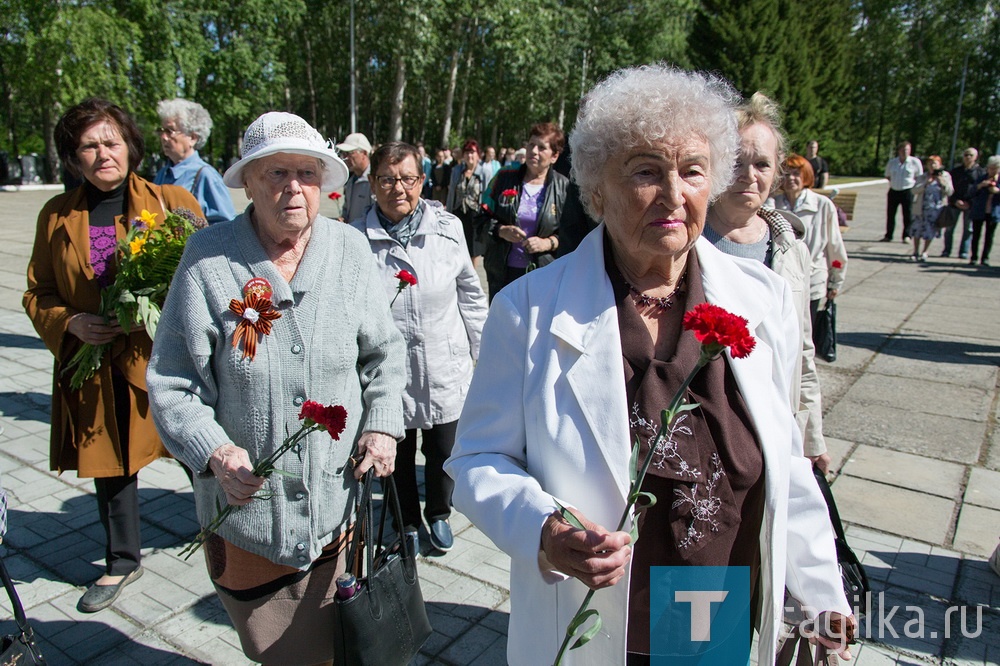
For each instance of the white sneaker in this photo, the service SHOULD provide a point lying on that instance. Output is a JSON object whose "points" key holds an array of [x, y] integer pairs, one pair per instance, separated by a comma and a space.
{"points": [[995, 561], [923, 257]]}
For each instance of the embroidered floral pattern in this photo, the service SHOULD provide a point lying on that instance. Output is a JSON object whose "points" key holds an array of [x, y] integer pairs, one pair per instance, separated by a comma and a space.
{"points": [[666, 448], [703, 509], [102, 250]]}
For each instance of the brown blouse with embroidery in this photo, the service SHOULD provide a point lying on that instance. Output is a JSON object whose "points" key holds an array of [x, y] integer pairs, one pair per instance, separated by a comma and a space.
{"points": [[707, 474]]}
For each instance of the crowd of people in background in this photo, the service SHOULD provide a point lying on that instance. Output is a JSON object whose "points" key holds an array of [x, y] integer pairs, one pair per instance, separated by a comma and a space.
{"points": [[671, 173]]}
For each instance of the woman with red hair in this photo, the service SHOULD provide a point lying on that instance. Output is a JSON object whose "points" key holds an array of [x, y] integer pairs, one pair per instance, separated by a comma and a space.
{"points": [[930, 196], [819, 215]]}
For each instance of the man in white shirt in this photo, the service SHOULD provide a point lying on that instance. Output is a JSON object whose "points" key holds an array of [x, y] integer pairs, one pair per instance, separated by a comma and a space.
{"points": [[902, 172]]}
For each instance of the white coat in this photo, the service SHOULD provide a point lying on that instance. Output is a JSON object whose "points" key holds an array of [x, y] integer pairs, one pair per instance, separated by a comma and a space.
{"points": [[441, 317], [546, 418]]}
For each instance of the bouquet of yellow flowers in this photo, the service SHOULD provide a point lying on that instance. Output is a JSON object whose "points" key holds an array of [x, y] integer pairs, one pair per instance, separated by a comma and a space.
{"points": [[147, 260]]}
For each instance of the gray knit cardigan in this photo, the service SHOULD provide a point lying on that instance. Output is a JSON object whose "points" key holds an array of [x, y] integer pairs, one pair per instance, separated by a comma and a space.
{"points": [[335, 343]]}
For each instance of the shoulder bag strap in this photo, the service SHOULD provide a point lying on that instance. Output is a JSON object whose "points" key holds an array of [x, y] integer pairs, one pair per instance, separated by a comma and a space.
{"points": [[197, 179], [15, 601], [831, 505]]}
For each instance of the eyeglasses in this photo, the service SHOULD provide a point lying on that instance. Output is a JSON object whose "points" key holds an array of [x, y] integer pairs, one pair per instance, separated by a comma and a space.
{"points": [[389, 182], [169, 132], [968, 154]]}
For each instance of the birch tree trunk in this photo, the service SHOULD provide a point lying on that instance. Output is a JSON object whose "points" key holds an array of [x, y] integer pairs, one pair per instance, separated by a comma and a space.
{"points": [[398, 92]]}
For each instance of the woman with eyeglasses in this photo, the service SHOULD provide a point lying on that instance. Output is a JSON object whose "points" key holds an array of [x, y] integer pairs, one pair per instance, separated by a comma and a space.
{"points": [[441, 318], [522, 209]]}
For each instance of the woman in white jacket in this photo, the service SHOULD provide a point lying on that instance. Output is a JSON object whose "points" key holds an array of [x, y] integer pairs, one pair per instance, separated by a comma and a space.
{"points": [[579, 357], [441, 318]]}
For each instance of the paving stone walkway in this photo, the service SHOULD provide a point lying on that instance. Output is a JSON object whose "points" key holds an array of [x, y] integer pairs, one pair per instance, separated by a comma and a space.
{"points": [[911, 410]]}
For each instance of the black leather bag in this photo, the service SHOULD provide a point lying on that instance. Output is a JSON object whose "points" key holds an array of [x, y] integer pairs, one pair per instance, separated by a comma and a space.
{"points": [[19, 648], [856, 585], [385, 622], [947, 217], [825, 332]]}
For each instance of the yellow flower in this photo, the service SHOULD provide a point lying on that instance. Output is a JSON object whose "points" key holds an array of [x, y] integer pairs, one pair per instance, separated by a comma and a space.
{"points": [[137, 244], [148, 219]]}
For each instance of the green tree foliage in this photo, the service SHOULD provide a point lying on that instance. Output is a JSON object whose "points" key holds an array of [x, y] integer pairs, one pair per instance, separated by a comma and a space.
{"points": [[859, 75]]}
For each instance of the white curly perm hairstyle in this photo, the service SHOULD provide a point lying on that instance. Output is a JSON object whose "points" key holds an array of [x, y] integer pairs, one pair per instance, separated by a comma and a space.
{"points": [[639, 105]]}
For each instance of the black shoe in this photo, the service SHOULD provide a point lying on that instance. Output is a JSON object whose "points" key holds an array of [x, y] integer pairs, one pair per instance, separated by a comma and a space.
{"points": [[985, 262], [885, 239], [945, 254], [441, 536], [972, 261], [99, 597]]}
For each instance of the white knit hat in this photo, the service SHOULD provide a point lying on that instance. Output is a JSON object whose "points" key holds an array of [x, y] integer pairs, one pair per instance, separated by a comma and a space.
{"points": [[278, 132]]}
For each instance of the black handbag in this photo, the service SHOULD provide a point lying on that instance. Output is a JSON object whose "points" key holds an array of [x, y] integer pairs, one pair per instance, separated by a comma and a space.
{"points": [[19, 648], [796, 647], [947, 217], [385, 622], [825, 332], [856, 585]]}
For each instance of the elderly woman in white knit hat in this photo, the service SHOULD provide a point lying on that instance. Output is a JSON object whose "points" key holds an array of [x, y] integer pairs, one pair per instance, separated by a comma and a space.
{"points": [[274, 561]]}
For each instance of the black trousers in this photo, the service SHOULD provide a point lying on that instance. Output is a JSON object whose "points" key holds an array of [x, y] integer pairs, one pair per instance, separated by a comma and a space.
{"points": [[118, 498], [977, 232], [510, 274], [436, 446], [897, 199]]}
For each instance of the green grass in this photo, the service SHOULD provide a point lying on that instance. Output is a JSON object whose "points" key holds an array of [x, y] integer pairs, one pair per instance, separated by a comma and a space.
{"points": [[843, 180]]}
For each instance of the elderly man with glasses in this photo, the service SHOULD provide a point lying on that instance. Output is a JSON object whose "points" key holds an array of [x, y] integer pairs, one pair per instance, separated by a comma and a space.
{"points": [[184, 128], [356, 150], [964, 177]]}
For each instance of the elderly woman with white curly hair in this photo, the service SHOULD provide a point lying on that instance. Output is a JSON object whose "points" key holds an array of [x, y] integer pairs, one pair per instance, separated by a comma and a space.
{"points": [[184, 128], [587, 351]]}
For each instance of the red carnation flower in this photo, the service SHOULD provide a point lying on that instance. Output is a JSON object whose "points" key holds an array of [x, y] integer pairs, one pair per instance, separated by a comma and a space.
{"points": [[716, 329], [335, 195], [837, 263], [407, 277], [332, 418], [511, 192]]}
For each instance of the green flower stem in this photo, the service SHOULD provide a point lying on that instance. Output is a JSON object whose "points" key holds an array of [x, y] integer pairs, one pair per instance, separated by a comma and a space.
{"points": [[263, 468], [666, 419], [399, 290]]}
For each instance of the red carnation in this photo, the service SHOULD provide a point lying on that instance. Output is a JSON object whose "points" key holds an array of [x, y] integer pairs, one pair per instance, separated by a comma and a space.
{"points": [[407, 277], [836, 263], [716, 329], [332, 418], [335, 195], [511, 192]]}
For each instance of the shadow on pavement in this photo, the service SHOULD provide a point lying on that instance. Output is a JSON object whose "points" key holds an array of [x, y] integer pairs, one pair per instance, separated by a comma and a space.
{"points": [[93, 642], [20, 341], [923, 349], [25, 406]]}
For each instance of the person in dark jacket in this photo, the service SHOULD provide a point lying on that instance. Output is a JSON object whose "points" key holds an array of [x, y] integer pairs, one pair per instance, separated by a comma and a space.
{"points": [[522, 211], [964, 178]]}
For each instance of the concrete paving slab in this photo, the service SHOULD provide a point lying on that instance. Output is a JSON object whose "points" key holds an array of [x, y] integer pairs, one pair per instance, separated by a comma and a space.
{"points": [[977, 531], [906, 470], [962, 365], [956, 321], [983, 489], [926, 395], [900, 511], [907, 430]]}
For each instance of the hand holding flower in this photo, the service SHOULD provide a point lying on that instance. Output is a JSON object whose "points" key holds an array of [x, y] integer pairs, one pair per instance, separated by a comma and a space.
{"points": [[594, 556], [92, 329], [232, 468], [241, 481]]}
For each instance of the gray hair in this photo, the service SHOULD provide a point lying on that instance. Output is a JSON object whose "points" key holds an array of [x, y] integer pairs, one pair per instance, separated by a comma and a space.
{"points": [[191, 117], [762, 110], [993, 161], [637, 106]]}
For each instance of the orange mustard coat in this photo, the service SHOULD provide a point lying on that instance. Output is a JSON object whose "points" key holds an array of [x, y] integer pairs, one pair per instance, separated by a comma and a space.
{"points": [[61, 283]]}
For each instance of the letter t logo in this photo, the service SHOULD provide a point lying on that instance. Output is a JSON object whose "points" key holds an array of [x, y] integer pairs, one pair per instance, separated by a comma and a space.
{"points": [[701, 610]]}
